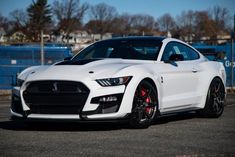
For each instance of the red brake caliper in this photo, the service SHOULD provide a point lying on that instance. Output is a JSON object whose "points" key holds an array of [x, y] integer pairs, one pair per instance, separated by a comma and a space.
{"points": [[147, 100]]}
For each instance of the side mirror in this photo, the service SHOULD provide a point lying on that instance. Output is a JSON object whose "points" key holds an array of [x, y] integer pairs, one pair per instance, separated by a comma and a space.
{"points": [[176, 57], [171, 62], [67, 58]]}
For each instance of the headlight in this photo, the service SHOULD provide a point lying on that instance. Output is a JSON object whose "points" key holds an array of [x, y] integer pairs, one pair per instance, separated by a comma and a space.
{"points": [[114, 81], [19, 82]]}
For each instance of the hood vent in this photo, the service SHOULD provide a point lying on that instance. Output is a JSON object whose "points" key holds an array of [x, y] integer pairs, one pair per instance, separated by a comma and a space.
{"points": [[77, 62]]}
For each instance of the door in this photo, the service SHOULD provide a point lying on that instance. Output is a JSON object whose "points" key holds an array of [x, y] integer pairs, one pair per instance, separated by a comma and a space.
{"points": [[179, 77]]}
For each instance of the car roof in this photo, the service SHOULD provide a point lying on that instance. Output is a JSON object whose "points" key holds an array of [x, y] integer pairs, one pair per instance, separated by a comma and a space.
{"points": [[136, 38]]}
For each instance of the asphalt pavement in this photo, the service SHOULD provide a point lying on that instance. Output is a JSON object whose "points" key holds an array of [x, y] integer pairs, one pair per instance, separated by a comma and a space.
{"points": [[184, 135]]}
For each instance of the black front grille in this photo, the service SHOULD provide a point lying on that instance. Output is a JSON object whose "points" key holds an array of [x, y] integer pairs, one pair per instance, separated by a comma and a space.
{"points": [[16, 105], [56, 97]]}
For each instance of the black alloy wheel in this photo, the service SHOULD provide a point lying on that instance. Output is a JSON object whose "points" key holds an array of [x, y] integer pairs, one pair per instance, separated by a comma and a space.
{"points": [[145, 105], [214, 106]]}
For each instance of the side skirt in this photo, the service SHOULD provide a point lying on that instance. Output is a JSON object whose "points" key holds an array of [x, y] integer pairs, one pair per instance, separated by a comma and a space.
{"points": [[173, 112]]}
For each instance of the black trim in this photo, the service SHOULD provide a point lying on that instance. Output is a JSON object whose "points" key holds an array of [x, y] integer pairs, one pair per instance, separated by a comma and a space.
{"points": [[16, 105], [82, 120], [191, 109], [104, 107], [77, 62]]}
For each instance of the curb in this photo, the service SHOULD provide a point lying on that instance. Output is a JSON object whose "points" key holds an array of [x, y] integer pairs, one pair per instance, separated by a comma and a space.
{"points": [[5, 95], [231, 90]]}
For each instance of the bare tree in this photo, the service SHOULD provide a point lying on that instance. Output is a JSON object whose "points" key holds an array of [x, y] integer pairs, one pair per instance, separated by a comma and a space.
{"points": [[166, 23], [221, 18], [125, 22], [186, 23], [7, 25], [142, 23], [204, 25], [102, 16], [138, 24], [20, 21], [3, 20], [20, 17], [4, 24], [69, 14], [118, 26], [103, 12]]}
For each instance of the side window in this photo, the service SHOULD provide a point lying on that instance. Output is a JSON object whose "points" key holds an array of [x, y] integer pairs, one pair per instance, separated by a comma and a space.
{"points": [[174, 48], [173, 51], [168, 51], [189, 53], [193, 54], [183, 51]]}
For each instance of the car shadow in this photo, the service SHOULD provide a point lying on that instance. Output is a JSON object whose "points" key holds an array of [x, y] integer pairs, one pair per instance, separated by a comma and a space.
{"points": [[60, 126], [176, 117], [91, 126]]}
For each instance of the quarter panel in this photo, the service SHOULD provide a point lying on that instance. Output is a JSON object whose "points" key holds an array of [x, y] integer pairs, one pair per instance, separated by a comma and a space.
{"points": [[209, 70]]}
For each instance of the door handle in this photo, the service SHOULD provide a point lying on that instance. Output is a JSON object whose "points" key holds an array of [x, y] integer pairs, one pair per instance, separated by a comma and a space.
{"points": [[194, 70]]}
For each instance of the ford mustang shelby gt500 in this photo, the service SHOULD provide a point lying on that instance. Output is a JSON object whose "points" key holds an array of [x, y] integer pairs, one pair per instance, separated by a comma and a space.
{"points": [[134, 78]]}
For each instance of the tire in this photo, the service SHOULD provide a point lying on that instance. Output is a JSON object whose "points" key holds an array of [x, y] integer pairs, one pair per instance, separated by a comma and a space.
{"points": [[214, 106], [145, 105]]}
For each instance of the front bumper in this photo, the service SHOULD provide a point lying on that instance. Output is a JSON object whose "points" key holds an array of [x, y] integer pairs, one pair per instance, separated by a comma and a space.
{"points": [[92, 110]]}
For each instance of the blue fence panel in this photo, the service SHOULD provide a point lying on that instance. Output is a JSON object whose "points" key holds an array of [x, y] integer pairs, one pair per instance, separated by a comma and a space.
{"points": [[14, 59], [211, 51]]}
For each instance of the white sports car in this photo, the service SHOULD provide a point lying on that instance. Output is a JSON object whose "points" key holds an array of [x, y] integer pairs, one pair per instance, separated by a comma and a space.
{"points": [[135, 79]]}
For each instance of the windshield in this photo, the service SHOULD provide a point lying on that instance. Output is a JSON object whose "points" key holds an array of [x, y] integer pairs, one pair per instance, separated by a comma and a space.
{"points": [[125, 49]]}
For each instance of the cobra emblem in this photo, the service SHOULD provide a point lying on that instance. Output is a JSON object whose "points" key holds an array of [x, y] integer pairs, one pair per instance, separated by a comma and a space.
{"points": [[55, 88]]}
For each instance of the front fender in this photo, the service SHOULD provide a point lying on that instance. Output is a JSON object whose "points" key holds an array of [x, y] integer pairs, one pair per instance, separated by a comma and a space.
{"points": [[25, 73], [138, 73]]}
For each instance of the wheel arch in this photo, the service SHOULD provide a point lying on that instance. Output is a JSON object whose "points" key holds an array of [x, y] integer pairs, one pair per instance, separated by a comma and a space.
{"points": [[208, 87], [137, 112], [151, 81], [220, 80], [207, 110], [218, 77]]}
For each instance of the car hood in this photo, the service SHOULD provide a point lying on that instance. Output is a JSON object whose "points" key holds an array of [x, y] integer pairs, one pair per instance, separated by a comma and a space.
{"points": [[92, 69]]}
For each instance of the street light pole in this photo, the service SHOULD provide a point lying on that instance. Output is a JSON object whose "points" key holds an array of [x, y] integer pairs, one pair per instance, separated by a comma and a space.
{"points": [[232, 53], [233, 46], [234, 26], [42, 48]]}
